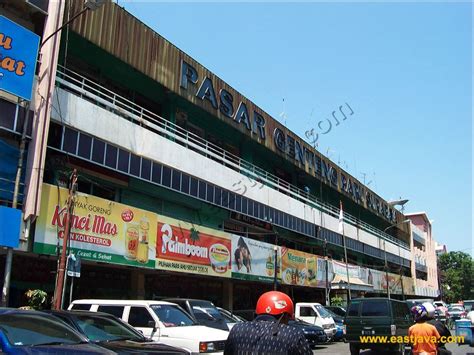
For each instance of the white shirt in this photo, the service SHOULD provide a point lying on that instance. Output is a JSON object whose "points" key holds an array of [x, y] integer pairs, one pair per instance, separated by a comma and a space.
{"points": [[470, 316]]}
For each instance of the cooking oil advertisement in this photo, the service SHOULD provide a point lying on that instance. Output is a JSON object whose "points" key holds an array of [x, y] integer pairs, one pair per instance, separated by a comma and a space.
{"points": [[101, 230], [184, 247], [298, 268], [254, 260]]}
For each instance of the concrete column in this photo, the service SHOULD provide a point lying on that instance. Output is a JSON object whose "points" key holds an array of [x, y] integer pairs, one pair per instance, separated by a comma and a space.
{"points": [[228, 295], [137, 284]]}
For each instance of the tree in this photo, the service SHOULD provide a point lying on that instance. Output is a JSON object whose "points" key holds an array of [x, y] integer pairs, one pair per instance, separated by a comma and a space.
{"points": [[457, 269]]}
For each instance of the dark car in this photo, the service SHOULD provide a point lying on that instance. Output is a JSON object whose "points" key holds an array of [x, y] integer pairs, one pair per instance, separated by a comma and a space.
{"points": [[313, 333], [34, 332], [202, 312], [339, 321], [340, 311], [112, 333], [376, 317]]}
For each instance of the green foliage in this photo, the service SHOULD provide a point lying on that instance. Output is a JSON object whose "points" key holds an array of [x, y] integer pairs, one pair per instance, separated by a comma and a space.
{"points": [[457, 276], [36, 298], [337, 301]]}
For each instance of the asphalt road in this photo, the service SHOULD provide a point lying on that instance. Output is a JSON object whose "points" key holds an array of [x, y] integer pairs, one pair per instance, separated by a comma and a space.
{"points": [[341, 348]]}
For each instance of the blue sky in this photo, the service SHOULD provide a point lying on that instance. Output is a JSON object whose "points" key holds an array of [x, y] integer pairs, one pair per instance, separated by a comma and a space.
{"points": [[404, 68]]}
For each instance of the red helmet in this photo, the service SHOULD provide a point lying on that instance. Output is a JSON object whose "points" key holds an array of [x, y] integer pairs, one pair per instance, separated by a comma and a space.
{"points": [[275, 303]]}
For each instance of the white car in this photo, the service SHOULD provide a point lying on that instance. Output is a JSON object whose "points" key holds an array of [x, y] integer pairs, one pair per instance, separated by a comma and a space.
{"points": [[160, 321]]}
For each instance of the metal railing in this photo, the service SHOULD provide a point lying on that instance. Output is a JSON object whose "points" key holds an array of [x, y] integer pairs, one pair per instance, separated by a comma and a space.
{"points": [[101, 96]]}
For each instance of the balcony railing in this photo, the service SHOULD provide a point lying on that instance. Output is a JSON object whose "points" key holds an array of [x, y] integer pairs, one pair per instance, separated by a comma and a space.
{"points": [[101, 96]]}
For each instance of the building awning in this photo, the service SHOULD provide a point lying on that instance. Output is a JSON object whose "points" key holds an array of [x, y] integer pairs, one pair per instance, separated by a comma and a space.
{"points": [[340, 282]]}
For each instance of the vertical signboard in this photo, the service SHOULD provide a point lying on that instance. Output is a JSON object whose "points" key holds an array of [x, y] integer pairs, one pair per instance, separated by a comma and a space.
{"points": [[184, 247], [18, 53], [298, 268], [254, 260], [101, 230]]}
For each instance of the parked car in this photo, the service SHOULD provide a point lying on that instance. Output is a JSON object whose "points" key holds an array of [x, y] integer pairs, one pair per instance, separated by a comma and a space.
{"points": [[315, 313], [340, 311], [468, 305], [454, 313], [376, 317], [161, 321], [313, 333], [34, 332], [202, 312], [339, 321], [440, 308], [112, 333], [230, 318]]}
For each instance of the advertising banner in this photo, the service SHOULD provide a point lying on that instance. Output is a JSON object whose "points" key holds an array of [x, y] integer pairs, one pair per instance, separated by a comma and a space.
{"points": [[184, 247], [340, 269], [18, 53], [254, 260], [377, 279], [298, 268], [101, 230]]}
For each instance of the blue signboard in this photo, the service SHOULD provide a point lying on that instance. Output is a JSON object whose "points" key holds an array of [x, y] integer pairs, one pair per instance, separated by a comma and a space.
{"points": [[10, 222], [18, 53]]}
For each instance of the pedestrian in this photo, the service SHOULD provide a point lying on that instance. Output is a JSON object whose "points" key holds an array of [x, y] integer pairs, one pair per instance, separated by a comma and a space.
{"points": [[269, 333], [440, 327], [423, 336]]}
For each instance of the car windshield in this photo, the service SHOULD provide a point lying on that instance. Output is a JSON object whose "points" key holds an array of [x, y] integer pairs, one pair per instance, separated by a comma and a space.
{"points": [[322, 311], [172, 316], [101, 328], [227, 317], [455, 309], [331, 313], [33, 330], [205, 311]]}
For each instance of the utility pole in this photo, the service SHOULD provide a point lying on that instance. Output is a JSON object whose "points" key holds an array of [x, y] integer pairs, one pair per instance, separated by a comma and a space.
{"points": [[58, 292], [275, 248], [386, 270], [326, 287]]}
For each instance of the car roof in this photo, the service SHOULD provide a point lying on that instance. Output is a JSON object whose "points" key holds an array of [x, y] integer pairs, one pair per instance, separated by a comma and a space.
{"points": [[79, 313], [121, 302], [185, 299]]}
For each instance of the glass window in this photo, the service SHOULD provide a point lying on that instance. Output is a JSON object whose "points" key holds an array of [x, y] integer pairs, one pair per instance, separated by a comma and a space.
{"points": [[123, 160], [146, 169], [98, 151], [70, 140], [232, 199], [176, 181], [85, 144], [375, 308], [307, 312], [111, 156], [194, 187], [185, 183], [114, 310], [172, 316], [55, 135], [139, 317], [166, 176], [31, 329], [250, 207], [322, 311], [205, 310], [81, 307], [210, 193], [103, 328], [353, 310], [245, 205], [134, 165], [202, 190], [156, 173], [238, 203], [217, 195], [225, 198]]}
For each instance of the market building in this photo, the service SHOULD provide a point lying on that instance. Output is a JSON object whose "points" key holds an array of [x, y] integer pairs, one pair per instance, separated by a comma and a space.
{"points": [[186, 188]]}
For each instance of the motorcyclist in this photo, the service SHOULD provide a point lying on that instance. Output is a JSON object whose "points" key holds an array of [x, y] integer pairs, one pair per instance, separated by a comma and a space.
{"points": [[268, 333], [424, 336], [440, 327]]}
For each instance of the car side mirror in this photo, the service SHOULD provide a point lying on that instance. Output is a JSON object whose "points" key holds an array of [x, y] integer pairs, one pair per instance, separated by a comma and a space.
{"points": [[153, 324]]}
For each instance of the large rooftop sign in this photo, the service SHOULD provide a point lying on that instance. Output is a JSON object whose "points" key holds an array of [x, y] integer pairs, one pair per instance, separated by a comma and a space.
{"points": [[18, 52], [145, 50]]}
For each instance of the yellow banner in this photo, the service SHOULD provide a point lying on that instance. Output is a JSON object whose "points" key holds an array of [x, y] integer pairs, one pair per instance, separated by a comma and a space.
{"points": [[298, 268]]}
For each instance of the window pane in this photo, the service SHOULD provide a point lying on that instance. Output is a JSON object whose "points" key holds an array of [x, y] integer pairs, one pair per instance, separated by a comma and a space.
{"points": [[70, 141], [250, 208], [111, 156], [225, 198], [146, 169], [135, 165], [353, 310], [114, 310], [55, 135], [85, 143], [156, 175], [238, 203], [139, 317], [232, 199], [98, 151], [217, 195], [176, 185], [245, 205], [185, 183], [202, 190], [123, 160], [166, 179], [375, 309], [194, 187], [210, 193]]}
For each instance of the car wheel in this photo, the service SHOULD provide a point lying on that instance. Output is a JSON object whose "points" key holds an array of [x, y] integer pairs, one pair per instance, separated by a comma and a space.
{"points": [[354, 349]]}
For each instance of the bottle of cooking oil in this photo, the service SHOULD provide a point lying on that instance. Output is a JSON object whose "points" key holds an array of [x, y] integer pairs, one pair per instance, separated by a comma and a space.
{"points": [[142, 253]]}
